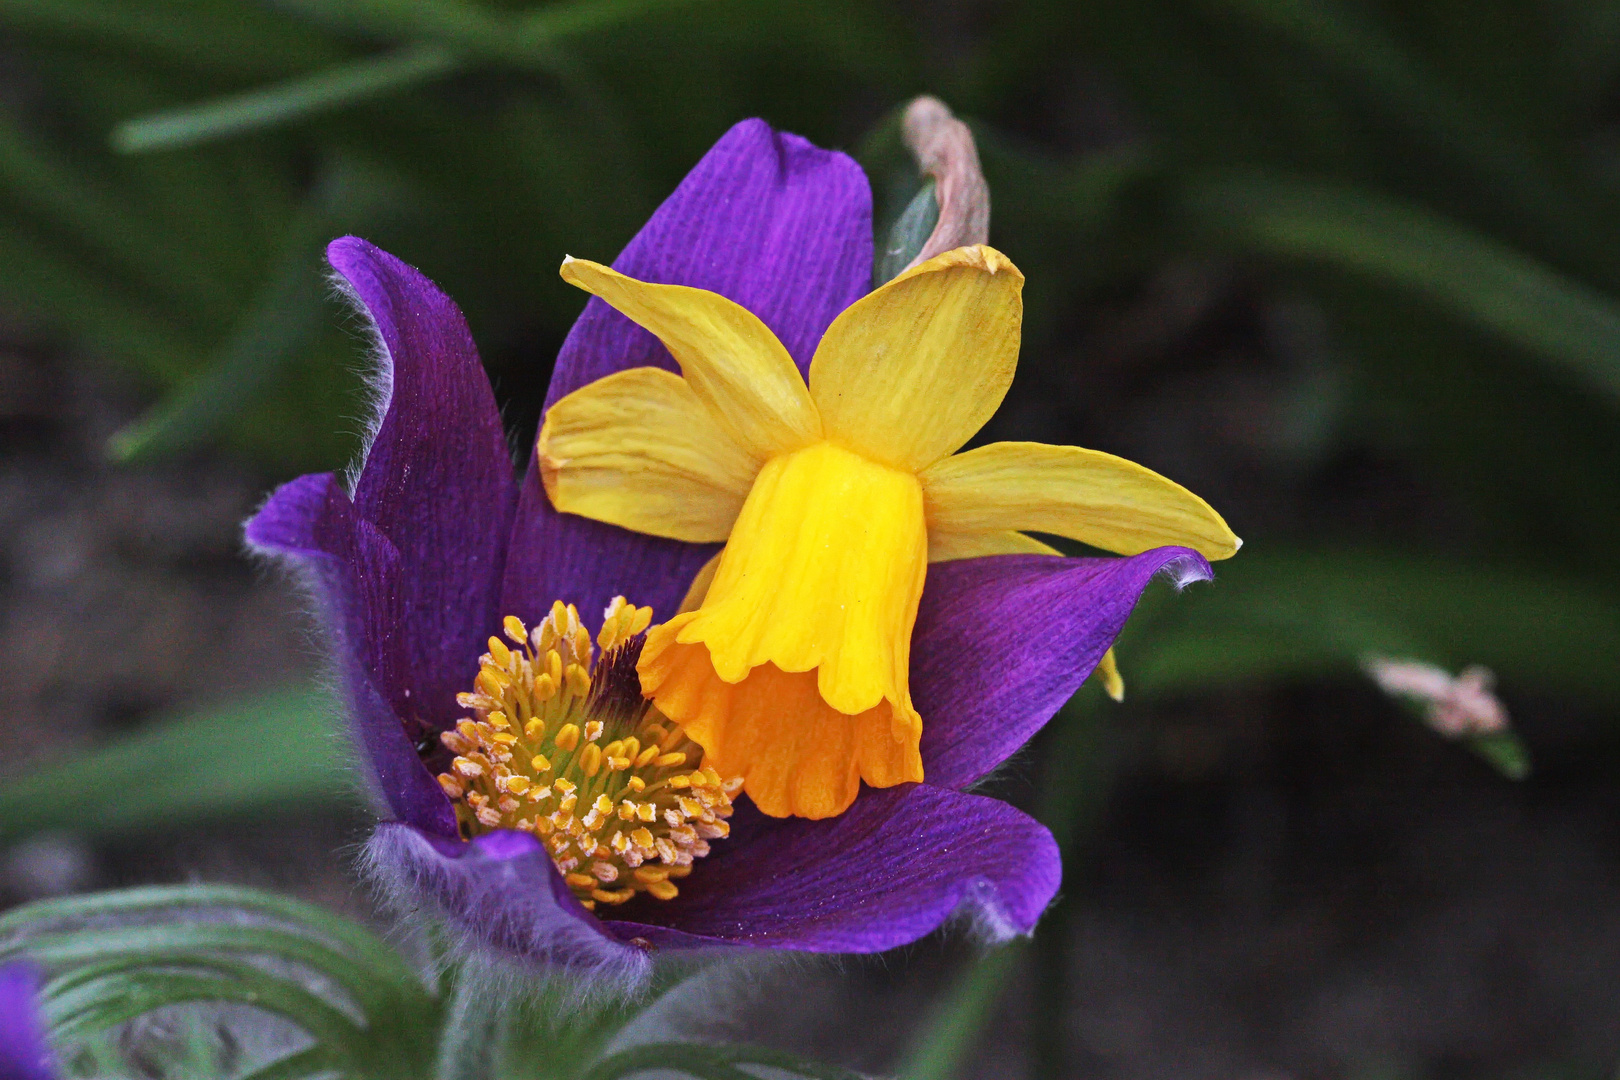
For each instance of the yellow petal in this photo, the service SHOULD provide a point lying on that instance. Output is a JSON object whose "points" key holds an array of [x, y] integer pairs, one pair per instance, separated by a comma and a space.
{"points": [[794, 672], [797, 754], [823, 570], [1107, 673], [910, 371], [944, 546], [638, 449], [1086, 495], [735, 365]]}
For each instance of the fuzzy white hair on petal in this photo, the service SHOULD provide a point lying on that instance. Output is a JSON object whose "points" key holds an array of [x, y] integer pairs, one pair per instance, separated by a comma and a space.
{"points": [[376, 372], [1183, 570], [982, 917], [514, 940]]}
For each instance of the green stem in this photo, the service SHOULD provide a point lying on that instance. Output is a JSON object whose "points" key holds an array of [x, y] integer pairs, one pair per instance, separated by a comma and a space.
{"points": [[943, 1045]]}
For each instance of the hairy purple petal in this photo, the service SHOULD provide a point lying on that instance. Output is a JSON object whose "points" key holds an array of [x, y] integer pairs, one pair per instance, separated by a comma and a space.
{"points": [[765, 219], [890, 869], [437, 481], [501, 894], [24, 1053], [1002, 642], [353, 572]]}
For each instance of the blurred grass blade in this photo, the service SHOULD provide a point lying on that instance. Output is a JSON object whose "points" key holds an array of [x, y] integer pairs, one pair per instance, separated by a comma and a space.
{"points": [[282, 323], [1081, 738], [519, 39], [333, 88], [49, 196], [194, 34], [545, 24], [1282, 614], [1410, 93], [940, 1049], [274, 750], [1407, 247], [526, 41]]}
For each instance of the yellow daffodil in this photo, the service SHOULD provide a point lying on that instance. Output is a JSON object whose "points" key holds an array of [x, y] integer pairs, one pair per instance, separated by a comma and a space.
{"points": [[832, 497]]}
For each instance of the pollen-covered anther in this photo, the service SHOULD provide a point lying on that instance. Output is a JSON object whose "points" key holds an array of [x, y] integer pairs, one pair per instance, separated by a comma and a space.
{"points": [[561, 744]]}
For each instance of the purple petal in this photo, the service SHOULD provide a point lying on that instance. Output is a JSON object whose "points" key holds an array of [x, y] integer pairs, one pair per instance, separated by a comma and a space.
{"points": [[24, 1053], [437, 482], [502, 894], [579, 561], [890, 869], [766, 219], [1002, 642], [353, 572]]}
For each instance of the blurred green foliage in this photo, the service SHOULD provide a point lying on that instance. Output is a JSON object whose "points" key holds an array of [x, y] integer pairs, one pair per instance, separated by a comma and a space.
{"points": [[283, 749], [1441, 180]]}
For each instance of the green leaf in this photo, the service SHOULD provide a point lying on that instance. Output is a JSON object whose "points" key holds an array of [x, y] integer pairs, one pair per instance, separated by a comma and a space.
{"points": [[194, 942], [552, 22], [41, 276], [278, 750], [1405, 246], [1277, 615], [117, 956], [284, 321], [911, 231], [169, 902], [123, 996]]}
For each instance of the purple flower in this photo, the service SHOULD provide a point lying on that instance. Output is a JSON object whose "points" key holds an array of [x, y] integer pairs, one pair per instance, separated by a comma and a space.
{"points": [[24, 1053], [435, 546]]}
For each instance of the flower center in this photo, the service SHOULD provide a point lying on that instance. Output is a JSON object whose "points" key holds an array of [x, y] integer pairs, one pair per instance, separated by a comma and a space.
{"points": [[568, 750]]}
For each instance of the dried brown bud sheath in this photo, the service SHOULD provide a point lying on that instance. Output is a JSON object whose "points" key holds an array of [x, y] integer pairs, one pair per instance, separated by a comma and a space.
{"points": [[944, 149]]}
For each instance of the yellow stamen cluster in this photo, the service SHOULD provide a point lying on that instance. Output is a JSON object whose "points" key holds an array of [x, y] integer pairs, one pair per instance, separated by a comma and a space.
{"points": [[564, 747]]}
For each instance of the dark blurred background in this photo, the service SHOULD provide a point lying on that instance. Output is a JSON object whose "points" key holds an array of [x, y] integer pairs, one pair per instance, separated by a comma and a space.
{"points": [[1351, 271]]}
